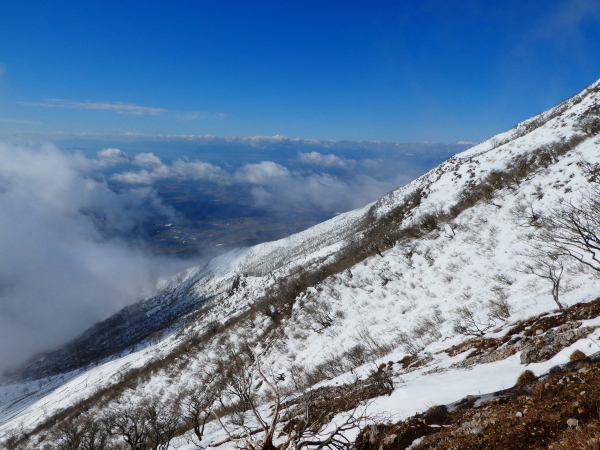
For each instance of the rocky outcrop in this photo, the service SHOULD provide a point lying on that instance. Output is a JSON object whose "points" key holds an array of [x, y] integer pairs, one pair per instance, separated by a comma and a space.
{"points": [[545, 346]]}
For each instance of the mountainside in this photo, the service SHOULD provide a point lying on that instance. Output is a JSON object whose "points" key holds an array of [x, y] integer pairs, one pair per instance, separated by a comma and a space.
{"points": [[434, 280]]}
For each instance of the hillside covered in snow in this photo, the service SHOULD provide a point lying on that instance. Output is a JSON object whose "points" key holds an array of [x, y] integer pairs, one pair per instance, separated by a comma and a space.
{"points": [[379, 313]]}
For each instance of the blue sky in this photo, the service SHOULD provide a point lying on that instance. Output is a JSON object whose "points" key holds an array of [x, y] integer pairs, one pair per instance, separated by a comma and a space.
{"points": [[395, 71]]}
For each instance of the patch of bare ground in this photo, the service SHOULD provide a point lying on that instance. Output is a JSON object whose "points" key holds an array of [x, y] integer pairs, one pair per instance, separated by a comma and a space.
{"points": [[539, 338], [412, 362]]}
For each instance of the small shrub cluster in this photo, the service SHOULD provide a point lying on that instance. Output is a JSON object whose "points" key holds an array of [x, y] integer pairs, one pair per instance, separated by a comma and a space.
{"points": [[526, 377], [577, 355], [589, 124]]}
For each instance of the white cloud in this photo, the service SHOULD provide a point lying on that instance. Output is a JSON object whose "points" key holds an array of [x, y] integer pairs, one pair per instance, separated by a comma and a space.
{"points": [[63, 266], [323, 160], [272, 184], [200, 170], [321, 191], [264, 172], [112, 156], [118, 107], [148, 160], [180, 169], [141, 177]]}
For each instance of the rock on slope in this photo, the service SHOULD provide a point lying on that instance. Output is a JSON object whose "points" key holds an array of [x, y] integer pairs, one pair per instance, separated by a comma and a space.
{"points": [[388, 281]]}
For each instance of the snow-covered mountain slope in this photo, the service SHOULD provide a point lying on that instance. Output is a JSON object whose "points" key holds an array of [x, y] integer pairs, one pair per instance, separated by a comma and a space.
{"points": [[390, 280]]}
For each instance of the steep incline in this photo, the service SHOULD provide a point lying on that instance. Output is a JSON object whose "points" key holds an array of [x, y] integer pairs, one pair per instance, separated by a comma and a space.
{"points": [[377, 284]]}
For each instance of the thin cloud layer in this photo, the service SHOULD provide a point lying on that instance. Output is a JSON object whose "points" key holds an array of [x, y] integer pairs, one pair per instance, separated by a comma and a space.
{"points": [[118, 107], [63, 266]]}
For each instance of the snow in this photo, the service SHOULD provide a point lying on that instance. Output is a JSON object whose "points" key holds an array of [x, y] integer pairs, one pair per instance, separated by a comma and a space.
{"points": [[464, 263]]}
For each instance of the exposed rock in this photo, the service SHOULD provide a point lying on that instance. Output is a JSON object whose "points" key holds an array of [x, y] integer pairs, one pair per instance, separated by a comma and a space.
{"points": [[542, 348], [388, 439]]}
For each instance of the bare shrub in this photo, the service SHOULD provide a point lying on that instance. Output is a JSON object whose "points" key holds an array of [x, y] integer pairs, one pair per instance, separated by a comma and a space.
{"points": [[357, 355], [437, 316], [591, 170], [504, 279], [427, 330], [375, 347], [499, 308], [588, 125], [466, 323], [408, 343], [82, 433], [340, 314], [429, 221], [382, 379], [330, 368], [149, 423]]}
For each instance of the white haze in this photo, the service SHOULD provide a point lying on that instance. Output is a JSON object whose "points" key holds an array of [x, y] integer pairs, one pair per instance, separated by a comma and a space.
{"points": [[62, 268]]}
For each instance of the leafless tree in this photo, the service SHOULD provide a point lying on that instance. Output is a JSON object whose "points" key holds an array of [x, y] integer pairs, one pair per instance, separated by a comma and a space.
{"points": [[301, 425], [130, 425], [573, 230], [81, 433], [163, 422], [548, 266], [315, 430], [589, 125], [197, 405], [148, 424], [243, 372]]}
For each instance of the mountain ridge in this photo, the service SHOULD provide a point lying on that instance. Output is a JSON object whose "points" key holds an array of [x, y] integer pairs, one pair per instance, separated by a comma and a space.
{"points": [[372, 283]]}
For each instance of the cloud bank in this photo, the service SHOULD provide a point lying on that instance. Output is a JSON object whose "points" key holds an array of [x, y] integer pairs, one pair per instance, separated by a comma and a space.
{"points": [[273, 185], [64, 263]]}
